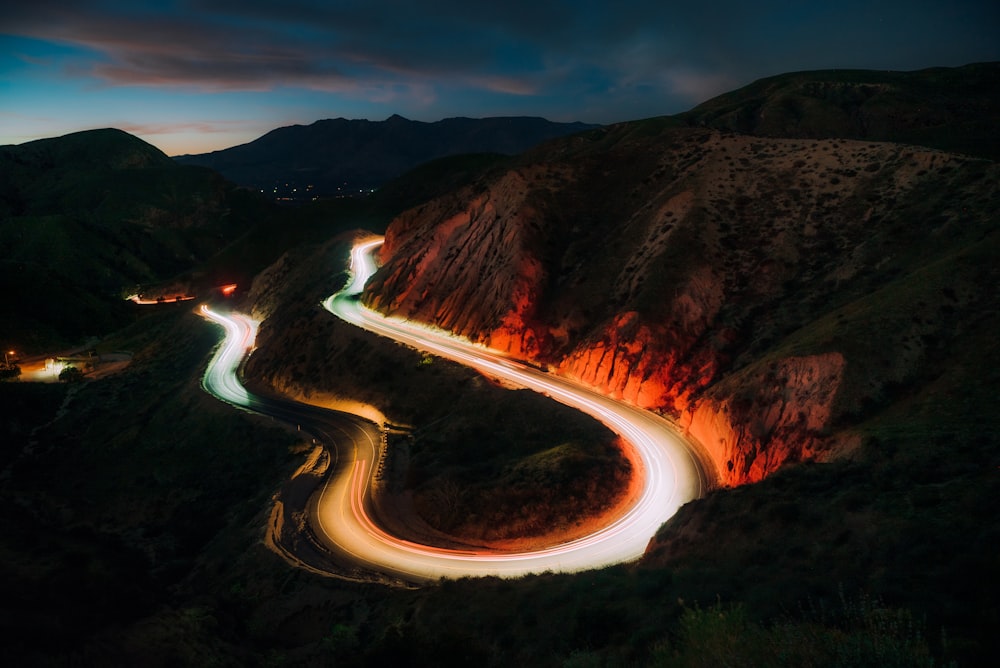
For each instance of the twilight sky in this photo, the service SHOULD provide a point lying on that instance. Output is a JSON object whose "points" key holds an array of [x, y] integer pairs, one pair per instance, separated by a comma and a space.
{"points": [[191, 76]]}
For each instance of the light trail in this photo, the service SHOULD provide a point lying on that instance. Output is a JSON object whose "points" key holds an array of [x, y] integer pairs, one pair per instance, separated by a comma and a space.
{"points": [[221, 378], [671, 472], [340, 513]]}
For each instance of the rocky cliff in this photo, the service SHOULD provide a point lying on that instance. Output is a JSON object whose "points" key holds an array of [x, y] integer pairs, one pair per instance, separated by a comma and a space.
{"points": [[768, 294]]}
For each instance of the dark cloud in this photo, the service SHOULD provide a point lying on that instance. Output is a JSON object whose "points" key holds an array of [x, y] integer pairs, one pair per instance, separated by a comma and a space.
{"points": [[631, 52], [160, 48]]}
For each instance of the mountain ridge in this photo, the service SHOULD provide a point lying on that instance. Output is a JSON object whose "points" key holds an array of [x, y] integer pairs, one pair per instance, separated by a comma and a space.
{"points": [[342, 156]]}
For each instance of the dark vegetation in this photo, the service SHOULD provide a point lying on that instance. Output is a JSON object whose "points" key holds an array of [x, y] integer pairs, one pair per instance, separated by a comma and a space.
{"points": [[88, 218], [490, 490], [114, 489], [954, 109], [134, 505]]}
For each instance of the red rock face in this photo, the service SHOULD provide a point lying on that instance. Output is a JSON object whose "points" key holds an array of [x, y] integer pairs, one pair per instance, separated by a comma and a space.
{"points": [[439, 274], [713, 278], [783, 419]]}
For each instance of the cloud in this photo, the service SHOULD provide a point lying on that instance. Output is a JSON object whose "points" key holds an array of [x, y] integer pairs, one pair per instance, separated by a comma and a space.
{"points": [[166, 50], [253, 45], [188, 127], [506, 85], [667, 54]]}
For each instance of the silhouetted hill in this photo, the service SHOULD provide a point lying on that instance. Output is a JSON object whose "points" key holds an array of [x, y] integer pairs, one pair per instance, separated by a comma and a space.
{"points": [[951, 108], [86, 217], [343, 157], [107, 148]]}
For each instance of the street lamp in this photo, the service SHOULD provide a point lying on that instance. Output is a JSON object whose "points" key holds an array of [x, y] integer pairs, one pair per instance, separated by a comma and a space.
{"points": [[7, 354]]}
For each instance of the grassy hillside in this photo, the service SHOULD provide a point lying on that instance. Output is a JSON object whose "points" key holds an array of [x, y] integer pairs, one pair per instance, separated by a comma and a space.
{"points": [[137, 517]]}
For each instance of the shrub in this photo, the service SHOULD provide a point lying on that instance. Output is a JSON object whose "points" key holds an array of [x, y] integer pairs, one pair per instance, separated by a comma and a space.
{"points": [[70, 374], [865, 633]]}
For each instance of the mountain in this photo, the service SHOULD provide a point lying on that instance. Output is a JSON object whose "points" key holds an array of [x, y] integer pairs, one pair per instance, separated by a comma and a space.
{"points": [[818, 314], [732, 281], [954, 109], [90, 217], [342, 157]]}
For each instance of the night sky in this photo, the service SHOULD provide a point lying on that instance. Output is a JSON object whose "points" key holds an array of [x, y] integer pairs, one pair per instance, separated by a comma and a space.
{"points": [[199, 75]]}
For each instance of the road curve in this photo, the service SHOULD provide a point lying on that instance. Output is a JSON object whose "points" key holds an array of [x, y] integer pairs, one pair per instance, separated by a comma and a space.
{"points": [[672, 473], [341, 518]]}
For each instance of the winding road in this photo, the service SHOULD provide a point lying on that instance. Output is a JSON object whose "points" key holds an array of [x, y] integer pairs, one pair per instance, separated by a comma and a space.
{"points": [[341, 520]]}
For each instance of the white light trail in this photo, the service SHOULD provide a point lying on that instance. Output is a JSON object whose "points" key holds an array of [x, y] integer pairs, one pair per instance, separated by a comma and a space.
{"points": [[671, 473], [221, 377]]}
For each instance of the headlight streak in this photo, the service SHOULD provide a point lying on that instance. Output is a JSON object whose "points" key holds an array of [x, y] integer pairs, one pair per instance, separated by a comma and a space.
{"points": [[339, 512], [671, 475], [221, 378]]}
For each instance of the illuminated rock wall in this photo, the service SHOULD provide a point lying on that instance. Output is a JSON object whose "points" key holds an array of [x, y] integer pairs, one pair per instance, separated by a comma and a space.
{"points": [[474, 273], [734, 284]]}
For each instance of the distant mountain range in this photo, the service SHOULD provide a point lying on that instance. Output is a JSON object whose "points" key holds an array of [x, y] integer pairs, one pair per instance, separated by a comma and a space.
{"points": [[342, 157]]}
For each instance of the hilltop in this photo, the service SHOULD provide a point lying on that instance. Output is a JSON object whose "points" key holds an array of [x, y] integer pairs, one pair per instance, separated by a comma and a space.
{"points": [[955, 109]]}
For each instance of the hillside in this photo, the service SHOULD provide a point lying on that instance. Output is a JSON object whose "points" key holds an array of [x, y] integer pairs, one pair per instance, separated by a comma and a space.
{"points": [[953, 109], [91, 217], [338, 157], [88, 218], [819, 314], [736, 284]]}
